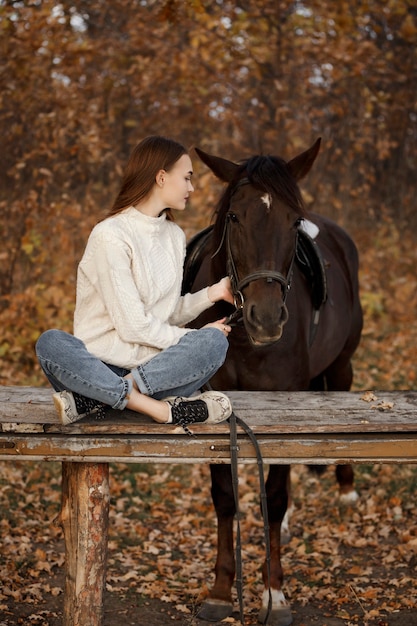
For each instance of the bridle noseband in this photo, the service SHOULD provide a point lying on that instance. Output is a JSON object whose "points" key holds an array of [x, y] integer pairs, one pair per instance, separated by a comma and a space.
{"points": [[239, 285]]}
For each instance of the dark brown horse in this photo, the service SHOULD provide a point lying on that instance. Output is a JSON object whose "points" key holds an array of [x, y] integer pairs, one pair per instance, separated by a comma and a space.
{"points": [[300, 324]]}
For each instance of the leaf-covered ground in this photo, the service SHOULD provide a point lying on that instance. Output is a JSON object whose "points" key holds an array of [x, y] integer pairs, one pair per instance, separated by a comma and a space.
{"points": [[343, 565]]}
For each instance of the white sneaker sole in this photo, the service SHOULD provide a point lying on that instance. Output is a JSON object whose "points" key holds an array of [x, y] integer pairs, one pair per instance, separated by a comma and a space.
{"points": [[64, 409]]}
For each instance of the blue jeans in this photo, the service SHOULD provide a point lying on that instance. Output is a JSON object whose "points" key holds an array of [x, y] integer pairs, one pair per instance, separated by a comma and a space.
{"points": [[180, 370]]}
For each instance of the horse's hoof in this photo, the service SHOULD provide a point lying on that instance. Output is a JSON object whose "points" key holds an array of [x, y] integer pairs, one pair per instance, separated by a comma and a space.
{"points": [[280, 616], [285, 536], [213, 610], [348, 499]]}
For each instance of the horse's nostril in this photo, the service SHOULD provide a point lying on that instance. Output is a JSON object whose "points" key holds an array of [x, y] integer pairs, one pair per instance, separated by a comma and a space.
{"points": [[252, 316], [262, 318]]}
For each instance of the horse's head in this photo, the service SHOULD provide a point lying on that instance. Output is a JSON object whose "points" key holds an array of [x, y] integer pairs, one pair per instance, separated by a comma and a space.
{"points": [[256, 234]]}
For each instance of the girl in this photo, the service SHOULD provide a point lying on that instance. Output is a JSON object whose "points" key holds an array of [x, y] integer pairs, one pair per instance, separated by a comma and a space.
{"points": [[130, 348]]}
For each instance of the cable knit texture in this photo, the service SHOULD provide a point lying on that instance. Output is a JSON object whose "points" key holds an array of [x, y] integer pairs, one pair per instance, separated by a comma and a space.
{"points": [[129, 304]]}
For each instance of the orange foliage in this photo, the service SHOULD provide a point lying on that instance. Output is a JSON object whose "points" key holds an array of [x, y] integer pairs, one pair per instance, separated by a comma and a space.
{"points": [[387, 355]]}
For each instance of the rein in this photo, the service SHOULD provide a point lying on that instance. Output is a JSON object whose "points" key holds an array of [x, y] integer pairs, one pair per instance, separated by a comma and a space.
{"points": [[234, 420], [239, 285]]}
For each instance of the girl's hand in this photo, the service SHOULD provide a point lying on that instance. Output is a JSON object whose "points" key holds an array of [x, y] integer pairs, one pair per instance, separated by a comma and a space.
{"points": [[221, 291], [220, 325]]}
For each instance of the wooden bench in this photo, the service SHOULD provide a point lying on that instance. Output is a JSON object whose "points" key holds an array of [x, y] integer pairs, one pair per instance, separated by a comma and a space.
{"points": [[290, 427]]}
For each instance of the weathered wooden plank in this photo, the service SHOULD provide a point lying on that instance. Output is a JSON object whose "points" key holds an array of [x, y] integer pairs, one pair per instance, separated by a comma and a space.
{"points": [[24, 394], [41, 395], [27, 405], [85, 519], [214, 449], [297, 426], [265, 412]]}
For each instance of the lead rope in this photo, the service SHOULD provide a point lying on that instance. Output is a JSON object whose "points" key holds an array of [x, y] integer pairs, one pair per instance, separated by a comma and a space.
{"points": [[234, 449]]}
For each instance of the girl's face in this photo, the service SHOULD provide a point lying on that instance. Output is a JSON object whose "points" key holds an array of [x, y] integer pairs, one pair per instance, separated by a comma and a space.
{"points": [[177, 185]]}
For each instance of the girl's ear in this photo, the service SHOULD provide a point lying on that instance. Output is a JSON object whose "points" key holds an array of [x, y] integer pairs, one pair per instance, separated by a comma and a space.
{"points": [[160, 178]]}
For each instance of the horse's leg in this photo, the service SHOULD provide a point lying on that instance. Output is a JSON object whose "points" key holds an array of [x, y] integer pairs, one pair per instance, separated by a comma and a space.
{"points": [[285, 525], [277, 497], [345, 478], [219, 604], [339, 378]]}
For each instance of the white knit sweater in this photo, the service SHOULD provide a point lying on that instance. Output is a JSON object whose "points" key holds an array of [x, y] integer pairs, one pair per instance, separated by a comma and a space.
{"points": [[128, 304]]}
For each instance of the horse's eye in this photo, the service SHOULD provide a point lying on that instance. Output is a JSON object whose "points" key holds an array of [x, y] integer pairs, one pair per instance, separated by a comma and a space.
{"points": [[298, 222], [233, 217]]}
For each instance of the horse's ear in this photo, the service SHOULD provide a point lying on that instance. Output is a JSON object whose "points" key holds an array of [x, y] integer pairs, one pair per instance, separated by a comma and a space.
{"points": [[222, 168], [301, 164]]}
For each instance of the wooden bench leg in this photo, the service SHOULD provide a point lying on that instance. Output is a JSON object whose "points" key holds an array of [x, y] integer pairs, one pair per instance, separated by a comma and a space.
{"points": [[85, 521]]}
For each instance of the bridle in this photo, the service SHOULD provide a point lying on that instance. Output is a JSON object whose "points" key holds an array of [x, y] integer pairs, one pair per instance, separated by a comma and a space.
{"points": [[238, 285]]}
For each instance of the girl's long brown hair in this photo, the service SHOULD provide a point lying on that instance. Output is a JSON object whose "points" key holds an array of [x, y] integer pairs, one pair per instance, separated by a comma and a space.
{"points": [[151, 155]]}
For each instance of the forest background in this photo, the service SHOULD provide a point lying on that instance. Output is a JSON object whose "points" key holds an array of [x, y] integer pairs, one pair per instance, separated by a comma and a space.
{"points": [[81, 82]]}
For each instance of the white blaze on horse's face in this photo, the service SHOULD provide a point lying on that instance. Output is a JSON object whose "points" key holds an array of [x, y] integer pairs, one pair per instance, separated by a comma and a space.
{"points": [[267, 200]]}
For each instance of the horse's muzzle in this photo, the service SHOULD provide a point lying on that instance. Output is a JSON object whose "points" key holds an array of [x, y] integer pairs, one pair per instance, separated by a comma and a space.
{"points": [[264, 334]]}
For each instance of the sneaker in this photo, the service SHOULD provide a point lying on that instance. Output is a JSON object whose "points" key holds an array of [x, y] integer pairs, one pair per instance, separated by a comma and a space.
{"points": [[71, 407], [210, 407]]}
